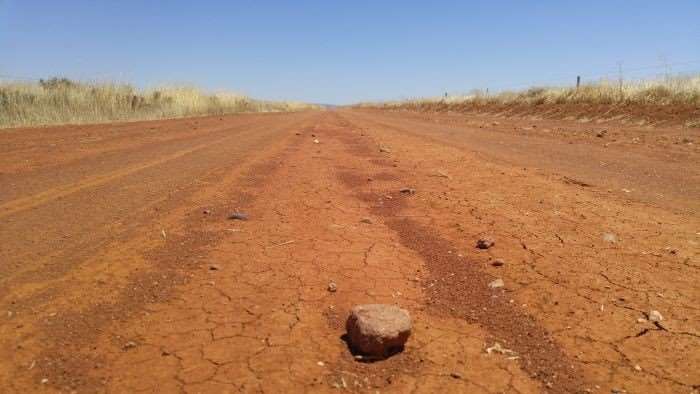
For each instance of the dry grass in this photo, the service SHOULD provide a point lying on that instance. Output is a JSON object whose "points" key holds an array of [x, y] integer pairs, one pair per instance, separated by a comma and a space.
{"points": [[680, 90], [61, 101]]}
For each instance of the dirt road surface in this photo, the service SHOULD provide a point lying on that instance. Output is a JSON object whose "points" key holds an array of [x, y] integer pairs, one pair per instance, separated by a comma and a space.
{"points": [[120, 270]]}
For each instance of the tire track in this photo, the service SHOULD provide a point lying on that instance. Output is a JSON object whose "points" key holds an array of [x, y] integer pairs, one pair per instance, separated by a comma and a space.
{"points": [[459, 289], [53, 194]]}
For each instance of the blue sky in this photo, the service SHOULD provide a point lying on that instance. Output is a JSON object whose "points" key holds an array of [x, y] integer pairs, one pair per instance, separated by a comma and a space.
{"points": [[343, 52]]}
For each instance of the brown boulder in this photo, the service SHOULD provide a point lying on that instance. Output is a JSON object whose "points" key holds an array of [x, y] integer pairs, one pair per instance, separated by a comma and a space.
{"points": [[378, 330]]}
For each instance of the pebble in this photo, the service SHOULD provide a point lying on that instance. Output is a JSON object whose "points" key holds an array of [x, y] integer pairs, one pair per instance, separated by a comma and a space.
{"points": [[408, 190], [498, 263], [214, 267], [485, 243], [496, 283], [238, 216], [332, 287], [129, 345], [206, 212], [316, 141], [366, 221], [609, 237], [655, 317], [378, 330]]}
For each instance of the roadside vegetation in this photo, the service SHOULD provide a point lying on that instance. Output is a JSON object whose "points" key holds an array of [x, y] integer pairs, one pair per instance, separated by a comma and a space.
{"points": [[664, 95], [62, 101]]}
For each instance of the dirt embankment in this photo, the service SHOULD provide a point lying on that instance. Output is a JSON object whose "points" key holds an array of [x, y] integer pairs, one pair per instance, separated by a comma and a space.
{"points": [[637, 114]]}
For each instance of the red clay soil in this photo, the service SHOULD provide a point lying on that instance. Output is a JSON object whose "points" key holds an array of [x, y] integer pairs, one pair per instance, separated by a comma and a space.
{"points": [[623, 113], [122, 271]]}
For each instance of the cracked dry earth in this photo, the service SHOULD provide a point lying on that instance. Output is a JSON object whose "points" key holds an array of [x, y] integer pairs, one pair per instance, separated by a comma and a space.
{"points": [[122, 272]]}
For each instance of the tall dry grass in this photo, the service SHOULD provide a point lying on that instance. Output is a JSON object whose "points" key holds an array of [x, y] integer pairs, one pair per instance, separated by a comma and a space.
{"points": [[683, 90], [61, 101]]}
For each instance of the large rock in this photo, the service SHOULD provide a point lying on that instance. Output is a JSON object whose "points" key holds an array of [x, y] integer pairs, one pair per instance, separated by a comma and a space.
{"points": [[378, 330]]}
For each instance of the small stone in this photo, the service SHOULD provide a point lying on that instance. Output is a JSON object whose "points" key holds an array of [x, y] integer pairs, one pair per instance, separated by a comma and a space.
{"points": [[316, 141], [214, 267], [485, 243], [609, 237], [44, 381], [456, 375], [498, 263], [366, 220], [378, 330], [655, 317], [320, 363], [496, 283], [601, 133], [407, 190], [332, 287], [129, 345], [206, 212], [637, 367], [238, 216], [384, 149]]}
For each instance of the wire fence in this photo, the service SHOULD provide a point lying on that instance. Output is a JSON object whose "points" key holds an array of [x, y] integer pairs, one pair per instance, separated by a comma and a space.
{"points": [[620, 74]]}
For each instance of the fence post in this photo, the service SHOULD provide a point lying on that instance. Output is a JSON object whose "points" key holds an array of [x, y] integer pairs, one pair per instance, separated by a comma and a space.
{"points": [[578, 81], [619, 67]]}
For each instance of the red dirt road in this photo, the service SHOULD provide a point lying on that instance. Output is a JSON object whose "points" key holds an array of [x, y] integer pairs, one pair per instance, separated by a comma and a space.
{"points": [[121, 272]]}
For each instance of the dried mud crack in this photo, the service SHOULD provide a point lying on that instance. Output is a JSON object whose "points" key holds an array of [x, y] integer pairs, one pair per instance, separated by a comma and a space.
{"points": [[123, 270]]}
